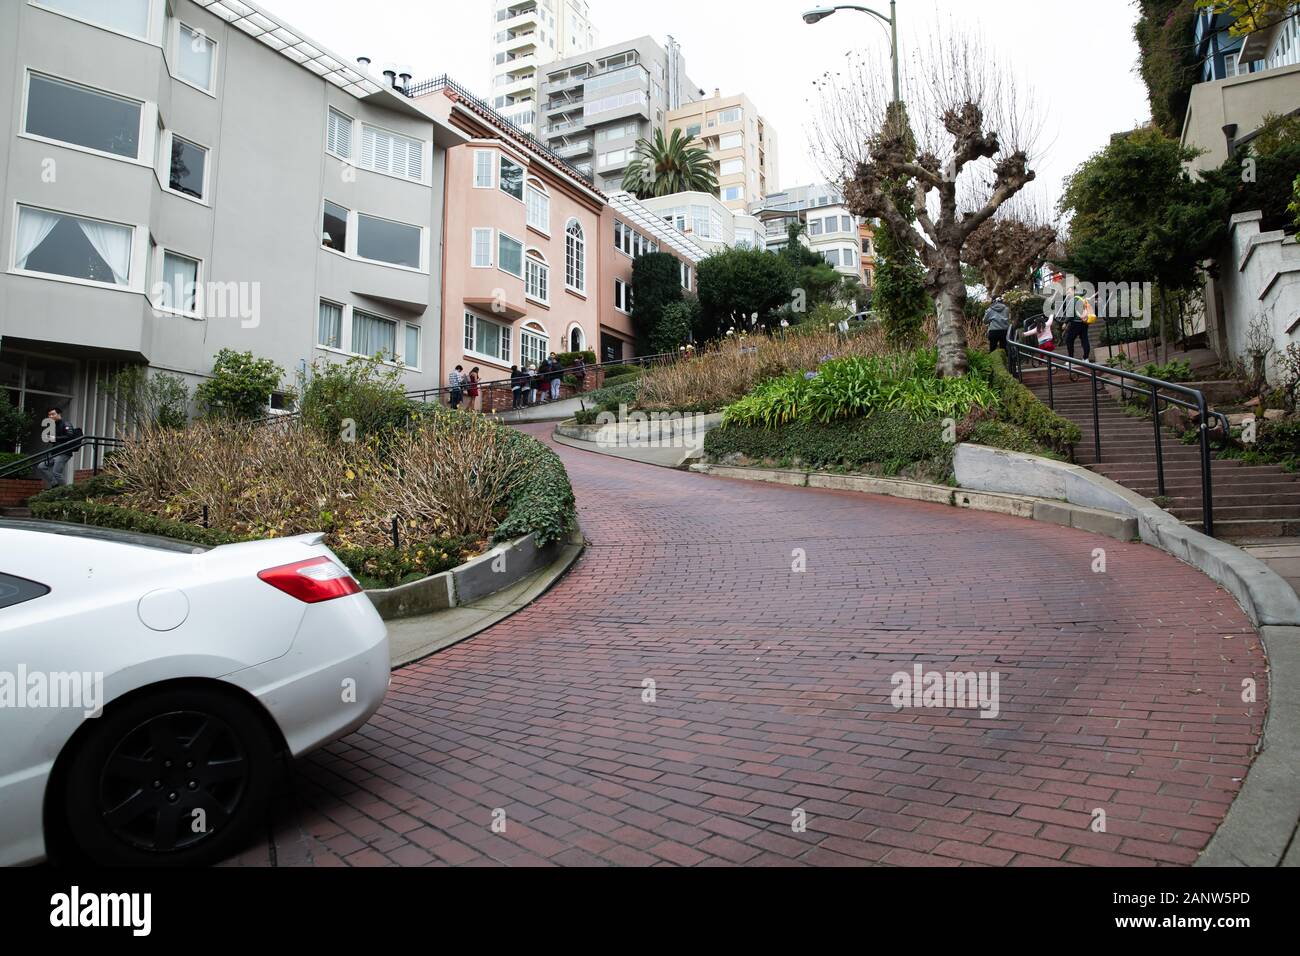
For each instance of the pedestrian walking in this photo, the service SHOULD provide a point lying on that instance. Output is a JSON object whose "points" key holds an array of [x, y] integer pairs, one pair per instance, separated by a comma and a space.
{"points": [[517, 382], [556, 376], [998, 319], [456, 381], [1079, 314], [580, 372], [473, 390], [533, 380], [63, 442]]}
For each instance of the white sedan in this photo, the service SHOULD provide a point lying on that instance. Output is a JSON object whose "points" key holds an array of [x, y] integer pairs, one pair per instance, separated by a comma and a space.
{"points": [[147, 687]]}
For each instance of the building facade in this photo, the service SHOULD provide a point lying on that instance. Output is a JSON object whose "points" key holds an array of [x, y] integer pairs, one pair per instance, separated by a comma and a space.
{"points": [[521, 270], [632, 228], [527, 37], [180, 179], [707, 221], [829, 228], [597, 105], [741, 143]]}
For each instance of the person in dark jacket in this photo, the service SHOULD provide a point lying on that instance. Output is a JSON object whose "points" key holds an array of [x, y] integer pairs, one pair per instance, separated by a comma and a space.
{"points": [[998, 319], [518, 382], [62, 438], [542, 381], [556, 377]]}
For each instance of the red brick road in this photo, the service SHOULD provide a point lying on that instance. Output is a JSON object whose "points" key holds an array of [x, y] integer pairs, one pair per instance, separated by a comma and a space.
{"points": [[1120, 692]]}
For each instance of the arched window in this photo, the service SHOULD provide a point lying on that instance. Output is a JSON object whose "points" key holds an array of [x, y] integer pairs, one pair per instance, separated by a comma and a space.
{"points": [[539, 207], [575, 257], [537, 277], [577, 338], [534, 345]]}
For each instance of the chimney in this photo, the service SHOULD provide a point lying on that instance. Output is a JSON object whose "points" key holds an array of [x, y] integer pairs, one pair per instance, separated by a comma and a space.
{"points": [[364, 63], [717, 93], [391, 76], [405, 77]]}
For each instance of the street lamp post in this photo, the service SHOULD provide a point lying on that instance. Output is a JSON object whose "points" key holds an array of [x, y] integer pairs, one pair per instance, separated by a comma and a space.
{"points": [[821, 13]]}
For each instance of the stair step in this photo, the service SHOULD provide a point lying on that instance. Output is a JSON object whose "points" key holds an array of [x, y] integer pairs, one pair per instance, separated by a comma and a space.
{"points": [[1251, 529], [1225, 510]]}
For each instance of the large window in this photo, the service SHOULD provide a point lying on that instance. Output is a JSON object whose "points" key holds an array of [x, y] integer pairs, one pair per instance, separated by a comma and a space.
{"points": [[334, 228], [196, 57], [189, 164], [539, 209], [78, 115], [512, 178], [178, 290], [411, 355], [731, 141], [373, 335], [533, 347], [382, 240], [484, 337], [56, 244], [481, 254], [125, 16], [338, 139], [575, 257], [329, 329], [622, 296], [510, 255], [733, 115], [392, 153], [537, 278], [733, 193], [730, 167]]}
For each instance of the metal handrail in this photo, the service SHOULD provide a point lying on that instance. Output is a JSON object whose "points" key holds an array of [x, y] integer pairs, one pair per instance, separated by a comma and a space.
{"points": [[23, 465], [435, 394], [1192, 399]]}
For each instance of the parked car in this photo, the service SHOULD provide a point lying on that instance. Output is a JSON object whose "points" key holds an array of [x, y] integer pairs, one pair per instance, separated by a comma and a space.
{"points": [[206, 664]]}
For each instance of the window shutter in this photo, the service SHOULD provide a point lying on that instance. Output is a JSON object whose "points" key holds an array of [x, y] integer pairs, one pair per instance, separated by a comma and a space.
{"points": [[340, 134], [368, 147]]}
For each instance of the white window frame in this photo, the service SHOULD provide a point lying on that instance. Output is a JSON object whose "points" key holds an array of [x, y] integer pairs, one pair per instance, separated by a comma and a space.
{"points": [[426, 154], [622, 293], [576, 244], [174, 42], [523, 254], [139, 252], [397, 335], [348, 238], [539, 334], [491, 155], [145, 138], [535, 264], [352, 134], [344, 328], [151, 31], [354, 240], [505, 338], [473, 247], [165, 172], [534, 190], [161, 253], [407, 329]]}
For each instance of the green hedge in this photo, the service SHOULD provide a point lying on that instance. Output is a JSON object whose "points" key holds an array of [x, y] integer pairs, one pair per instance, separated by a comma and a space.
{"points": [[1020, 407], [887, 442], [607, 399], [544, 504]]}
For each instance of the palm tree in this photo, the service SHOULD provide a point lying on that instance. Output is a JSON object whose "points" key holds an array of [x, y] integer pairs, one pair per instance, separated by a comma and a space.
{"points": [[665, 166]]}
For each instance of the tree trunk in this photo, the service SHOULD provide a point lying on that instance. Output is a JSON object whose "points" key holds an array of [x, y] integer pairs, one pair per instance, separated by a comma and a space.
{"points": [[951, 316]]}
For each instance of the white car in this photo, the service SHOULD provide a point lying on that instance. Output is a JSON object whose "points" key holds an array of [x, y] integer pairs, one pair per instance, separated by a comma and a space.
{"points": [[207, 665]]}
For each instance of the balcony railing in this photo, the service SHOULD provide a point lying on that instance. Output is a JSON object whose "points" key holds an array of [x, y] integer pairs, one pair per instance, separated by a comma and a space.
{"points": [[571, 150]]}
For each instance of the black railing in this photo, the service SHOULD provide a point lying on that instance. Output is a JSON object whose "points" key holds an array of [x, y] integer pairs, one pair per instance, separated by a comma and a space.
{"points": [[432, 396], [1158, 391], [97, 444]]}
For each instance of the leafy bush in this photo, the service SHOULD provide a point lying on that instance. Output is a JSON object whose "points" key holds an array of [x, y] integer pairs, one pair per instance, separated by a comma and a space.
{"points": [[1019, 406], [673, 330], [889, 442], [998, 434], [367, 394], [14, 422], [1279, 441], [240, 387], [542, 502], [1171, 372], [140, 399], [656, 284], [567, 359], [608, 399], [856, 387]]}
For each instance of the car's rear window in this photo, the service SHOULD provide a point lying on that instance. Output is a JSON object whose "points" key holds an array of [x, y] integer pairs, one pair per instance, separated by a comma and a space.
{"points": [[111, 535], [17, 590]]}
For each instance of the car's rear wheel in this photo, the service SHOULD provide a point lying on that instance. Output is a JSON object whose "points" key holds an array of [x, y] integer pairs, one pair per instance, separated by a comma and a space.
{"points": [[179, 778]]}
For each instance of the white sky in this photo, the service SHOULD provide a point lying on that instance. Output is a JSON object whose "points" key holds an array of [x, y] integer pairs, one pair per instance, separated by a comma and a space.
{"points": [[1079, 56]]}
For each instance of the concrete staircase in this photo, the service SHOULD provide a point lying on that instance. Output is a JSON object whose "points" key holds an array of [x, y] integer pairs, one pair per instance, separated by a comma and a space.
{"points": [[1251, 502]]}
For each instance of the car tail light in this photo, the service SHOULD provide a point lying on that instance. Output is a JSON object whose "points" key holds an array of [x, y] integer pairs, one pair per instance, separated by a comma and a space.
{"points": [[312, 582]]}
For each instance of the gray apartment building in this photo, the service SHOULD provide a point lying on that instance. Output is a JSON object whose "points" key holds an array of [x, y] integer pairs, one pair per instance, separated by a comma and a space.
{"points": [[182, 176], [596, 105]]}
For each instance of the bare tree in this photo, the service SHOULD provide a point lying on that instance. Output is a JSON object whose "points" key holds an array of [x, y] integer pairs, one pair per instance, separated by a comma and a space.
{"points": [[961, 150], [1007, 248]]}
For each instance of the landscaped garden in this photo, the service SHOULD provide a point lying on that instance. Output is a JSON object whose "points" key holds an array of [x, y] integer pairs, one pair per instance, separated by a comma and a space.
{"points": [[843, 402], [401, 490]]}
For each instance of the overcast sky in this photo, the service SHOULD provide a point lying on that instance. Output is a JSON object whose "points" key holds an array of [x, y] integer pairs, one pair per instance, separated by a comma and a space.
{"points": [[1080, 57]]}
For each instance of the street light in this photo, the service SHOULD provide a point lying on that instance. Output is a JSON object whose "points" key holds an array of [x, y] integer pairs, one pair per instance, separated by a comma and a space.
{"points": [[818, 14]]}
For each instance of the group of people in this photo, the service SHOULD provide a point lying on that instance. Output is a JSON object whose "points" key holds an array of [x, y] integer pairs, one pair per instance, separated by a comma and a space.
{"points": [[529, 385], [1036, 328]]}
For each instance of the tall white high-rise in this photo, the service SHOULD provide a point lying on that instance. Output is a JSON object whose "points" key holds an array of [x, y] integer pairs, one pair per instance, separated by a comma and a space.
{"points": [[527, 35]]}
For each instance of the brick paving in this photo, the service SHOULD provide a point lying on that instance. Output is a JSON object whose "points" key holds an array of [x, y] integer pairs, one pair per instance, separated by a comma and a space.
{"points": [[1120, 692]]}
